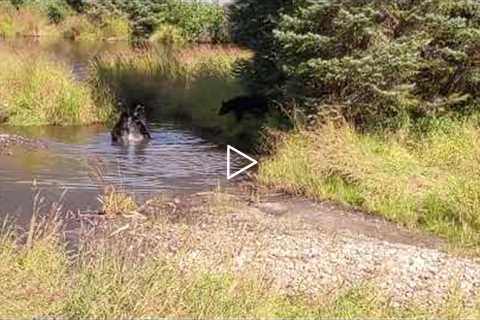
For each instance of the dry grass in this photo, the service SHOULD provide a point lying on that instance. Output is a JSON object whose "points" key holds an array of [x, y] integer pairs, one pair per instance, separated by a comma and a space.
{"points": [[28, 21], [419, 180], [114, 202]]}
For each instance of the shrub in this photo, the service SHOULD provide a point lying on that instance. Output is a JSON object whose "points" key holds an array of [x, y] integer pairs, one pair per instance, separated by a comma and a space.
{"points": [[199, 20], [168, 36], [371, 61], [115, 27]]}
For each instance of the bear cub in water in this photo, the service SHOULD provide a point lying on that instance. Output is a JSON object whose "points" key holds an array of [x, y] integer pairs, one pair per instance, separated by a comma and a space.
{"points": [[239, 106], [131, 127]]}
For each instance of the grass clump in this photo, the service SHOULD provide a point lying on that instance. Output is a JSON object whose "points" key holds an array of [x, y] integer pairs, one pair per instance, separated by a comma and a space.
{"points": [[425, 180], [168, 36], [35, 90], [114, 202], [85, 28]]}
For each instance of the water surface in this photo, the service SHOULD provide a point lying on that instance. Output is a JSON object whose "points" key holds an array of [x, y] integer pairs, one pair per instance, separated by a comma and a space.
{"points": [[82, 160]]}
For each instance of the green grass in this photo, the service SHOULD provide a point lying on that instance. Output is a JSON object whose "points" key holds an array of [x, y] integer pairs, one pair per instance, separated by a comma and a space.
{"points": [[102, 281], [35, 90], [421, 180]]}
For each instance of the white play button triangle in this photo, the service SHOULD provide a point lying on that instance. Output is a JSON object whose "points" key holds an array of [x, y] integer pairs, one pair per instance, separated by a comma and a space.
{"points": [[231, 175]]}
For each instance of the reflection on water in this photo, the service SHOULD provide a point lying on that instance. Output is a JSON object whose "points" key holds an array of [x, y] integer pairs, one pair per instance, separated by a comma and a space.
{"points": [[174, 161]]}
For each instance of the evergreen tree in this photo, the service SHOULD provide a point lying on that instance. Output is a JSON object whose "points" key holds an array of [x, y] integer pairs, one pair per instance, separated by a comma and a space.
{"points": [[374, 60]]}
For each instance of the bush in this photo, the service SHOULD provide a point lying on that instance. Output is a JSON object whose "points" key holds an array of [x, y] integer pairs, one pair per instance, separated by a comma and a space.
{"points": [[370, 61], [168, 36], [199, 20]]}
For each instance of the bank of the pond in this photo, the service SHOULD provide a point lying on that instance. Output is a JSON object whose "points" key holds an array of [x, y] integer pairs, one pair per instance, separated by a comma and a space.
{"points": [[213, 255], [419, 177], [37, 90]]}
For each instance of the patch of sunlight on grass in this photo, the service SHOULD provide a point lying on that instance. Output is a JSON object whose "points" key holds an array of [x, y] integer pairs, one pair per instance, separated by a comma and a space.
{"points": [[419, 180]]}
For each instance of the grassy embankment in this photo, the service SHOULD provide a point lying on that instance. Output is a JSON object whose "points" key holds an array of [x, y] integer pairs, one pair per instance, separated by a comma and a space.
{"points": [[426, 178], [189, 84], [39, 277], [35, 90]]}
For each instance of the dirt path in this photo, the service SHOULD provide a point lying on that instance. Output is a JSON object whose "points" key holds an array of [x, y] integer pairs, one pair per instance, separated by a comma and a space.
{"points": [[334, 220], [301, 246]]}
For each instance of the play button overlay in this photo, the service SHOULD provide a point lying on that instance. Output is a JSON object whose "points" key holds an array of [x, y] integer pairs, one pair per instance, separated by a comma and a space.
{"points": [[231, 175]]}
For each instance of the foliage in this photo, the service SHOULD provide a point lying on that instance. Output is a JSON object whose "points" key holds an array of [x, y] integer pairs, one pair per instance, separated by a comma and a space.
{"points": [[252, 23], [201, 21], [28, 20], [168, 36], [198, 20], [370, 61]]}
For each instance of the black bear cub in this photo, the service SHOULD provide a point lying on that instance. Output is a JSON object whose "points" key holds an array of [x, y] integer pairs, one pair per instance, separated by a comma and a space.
{"points": [[131, 127], [239, 106]]}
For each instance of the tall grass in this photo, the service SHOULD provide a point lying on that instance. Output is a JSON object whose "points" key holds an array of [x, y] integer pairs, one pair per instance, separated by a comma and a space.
{"points": [[35, 90], [28, 20], [102, 281], [427, 180]]}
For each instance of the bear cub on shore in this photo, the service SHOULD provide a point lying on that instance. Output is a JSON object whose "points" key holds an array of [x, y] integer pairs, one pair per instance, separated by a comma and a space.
{"points": [[240, 106]]}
